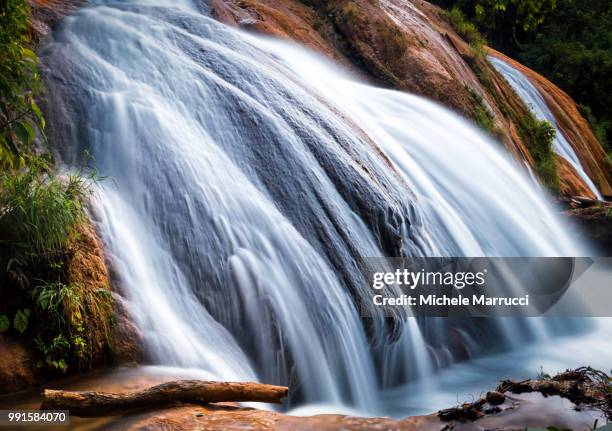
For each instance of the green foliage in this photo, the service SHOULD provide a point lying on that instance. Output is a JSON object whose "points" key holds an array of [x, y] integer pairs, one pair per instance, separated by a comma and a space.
{"points": [[20, 117], [38, 210], [51, 297], [600, 129], [482, 116], [20, 321], [66, 309], [60, 305], [54, 353], [467, 30], [538, 136], [504, 20], [5, 323], [573, 48], [524, 14]]}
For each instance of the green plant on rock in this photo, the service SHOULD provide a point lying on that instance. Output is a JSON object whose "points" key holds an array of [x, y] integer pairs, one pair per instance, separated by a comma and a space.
{"points": [[53, 298], [68, 309], [482, 116], [55, 353], [538, 136], [467, 30]]}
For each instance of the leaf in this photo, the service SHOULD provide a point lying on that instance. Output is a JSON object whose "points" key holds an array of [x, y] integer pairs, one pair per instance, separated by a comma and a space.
{"points": [[39, 115], [24, 131], [20, 322], [5, 323], [28, 53]]}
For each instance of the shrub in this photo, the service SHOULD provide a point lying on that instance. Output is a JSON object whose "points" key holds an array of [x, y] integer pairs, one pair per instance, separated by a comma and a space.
{"points": [[599, 128], [69, 309], [20, 117], [538, 136]]}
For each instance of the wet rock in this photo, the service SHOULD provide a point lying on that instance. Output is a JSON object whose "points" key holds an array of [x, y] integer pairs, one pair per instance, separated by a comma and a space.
{"points": [[495, 398]]}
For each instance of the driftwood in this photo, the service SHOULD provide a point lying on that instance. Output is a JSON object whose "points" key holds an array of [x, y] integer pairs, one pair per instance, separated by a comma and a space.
{"points": [[91, 404], [582, 202]]}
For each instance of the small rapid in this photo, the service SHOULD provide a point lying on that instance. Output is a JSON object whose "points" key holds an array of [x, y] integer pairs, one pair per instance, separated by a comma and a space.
{"points": [[536, 103], [247, 180]]}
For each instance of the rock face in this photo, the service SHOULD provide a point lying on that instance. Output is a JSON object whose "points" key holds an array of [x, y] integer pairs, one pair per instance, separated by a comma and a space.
{"points": [[16, 365], [411, 45], [46, 14]]}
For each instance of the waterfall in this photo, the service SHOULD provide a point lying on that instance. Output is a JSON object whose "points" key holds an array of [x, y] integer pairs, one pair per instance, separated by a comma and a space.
{"points": [[246, 181], [534, 100]]}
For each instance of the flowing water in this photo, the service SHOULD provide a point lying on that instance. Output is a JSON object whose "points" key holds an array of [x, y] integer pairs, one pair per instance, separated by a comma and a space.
{"points": [[246, 181], [534, 100]]}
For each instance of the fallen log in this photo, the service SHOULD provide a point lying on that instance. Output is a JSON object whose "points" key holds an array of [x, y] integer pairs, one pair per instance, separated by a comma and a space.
{"points": [[92, 404]]}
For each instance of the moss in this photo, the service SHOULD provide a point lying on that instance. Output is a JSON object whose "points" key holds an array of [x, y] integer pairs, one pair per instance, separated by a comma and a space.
{"points": [[538, 137], [350, 14], [467, 30], [394, 43], [481, 115]]}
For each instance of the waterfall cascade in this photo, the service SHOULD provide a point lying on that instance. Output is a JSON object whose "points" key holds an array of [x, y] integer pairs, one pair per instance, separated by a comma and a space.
{"points": [[534, 100], [248, 178]]}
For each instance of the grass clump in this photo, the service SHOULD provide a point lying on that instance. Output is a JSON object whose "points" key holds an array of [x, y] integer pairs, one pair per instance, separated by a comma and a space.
{"points": [[38, 210], [467, 30], [482, 116], [539, 135], [69, 309]]}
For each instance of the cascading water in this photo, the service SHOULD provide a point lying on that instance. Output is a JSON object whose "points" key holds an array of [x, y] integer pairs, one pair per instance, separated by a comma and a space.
{"points": [[534, 100], [246, 181]]}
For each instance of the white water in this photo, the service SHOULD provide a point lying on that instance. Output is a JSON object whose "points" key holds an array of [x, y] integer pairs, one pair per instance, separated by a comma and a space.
{"points": [[246, 182], [534, 100]]}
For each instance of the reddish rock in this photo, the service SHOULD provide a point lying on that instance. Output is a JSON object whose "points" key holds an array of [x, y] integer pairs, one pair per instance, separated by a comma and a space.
{"points": [[16, 365], [46, 14]]}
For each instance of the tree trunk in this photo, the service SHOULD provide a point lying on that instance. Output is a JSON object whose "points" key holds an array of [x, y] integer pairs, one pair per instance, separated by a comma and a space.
{"points": [[91, 404]]}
